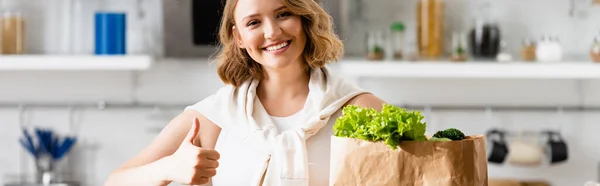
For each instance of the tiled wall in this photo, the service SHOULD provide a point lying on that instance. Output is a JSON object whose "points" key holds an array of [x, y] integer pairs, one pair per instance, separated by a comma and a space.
{"points": [[110, 137]]}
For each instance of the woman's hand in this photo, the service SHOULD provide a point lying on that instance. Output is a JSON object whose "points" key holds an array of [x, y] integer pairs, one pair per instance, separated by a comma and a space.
{"points": [[190, 164]]}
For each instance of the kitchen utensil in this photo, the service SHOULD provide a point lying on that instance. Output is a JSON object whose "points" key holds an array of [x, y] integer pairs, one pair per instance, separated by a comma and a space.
{"points": [[499, 150], [557, 148], [27, 142], [44, 139], [49, 149], [48, 144], [66, 145]]}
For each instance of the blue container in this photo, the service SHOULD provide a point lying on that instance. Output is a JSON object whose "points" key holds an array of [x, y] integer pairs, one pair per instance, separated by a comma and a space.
{"points": [[110, 33]]}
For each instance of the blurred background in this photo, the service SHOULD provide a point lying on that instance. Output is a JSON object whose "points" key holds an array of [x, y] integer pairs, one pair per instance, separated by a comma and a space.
{"points": [[104, 77]]}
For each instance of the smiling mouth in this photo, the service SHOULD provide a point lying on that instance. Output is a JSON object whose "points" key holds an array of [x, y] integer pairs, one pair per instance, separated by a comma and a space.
{"points": [[278, 47]]}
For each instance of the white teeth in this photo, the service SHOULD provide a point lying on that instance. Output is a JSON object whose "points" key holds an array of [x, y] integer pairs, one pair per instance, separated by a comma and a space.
{"points": [[277, 47]]}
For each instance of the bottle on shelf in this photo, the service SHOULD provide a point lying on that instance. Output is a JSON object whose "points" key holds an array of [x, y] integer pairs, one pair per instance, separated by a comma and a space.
{"points": [[398, 42], [12, 25], [430, 28], [595, 50]]}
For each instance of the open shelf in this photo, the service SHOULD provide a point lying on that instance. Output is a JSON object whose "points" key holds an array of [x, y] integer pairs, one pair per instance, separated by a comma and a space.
{"points": [[74, 62], [446, 69]]}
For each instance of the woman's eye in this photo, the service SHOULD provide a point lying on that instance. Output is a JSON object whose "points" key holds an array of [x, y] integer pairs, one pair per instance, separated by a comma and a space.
{"points": [[251, 23], [284, 14]]}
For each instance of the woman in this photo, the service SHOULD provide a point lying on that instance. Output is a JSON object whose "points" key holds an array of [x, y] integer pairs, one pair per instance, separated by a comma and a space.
{"points": [[272, 123]]}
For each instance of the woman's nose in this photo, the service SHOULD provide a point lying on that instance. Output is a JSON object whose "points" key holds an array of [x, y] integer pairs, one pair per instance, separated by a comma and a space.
{"points": [[272, 30]]}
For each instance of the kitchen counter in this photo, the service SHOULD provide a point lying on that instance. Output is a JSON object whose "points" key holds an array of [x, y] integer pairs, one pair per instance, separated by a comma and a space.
{"points": [[511, 182], [39, 184]]}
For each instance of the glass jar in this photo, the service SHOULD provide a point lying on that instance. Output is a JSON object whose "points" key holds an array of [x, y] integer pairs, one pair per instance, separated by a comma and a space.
{"points": [[485, 40], [528, 50], [459, 47], [397, 38], [485, 35], [412, 51], [375, 45], [595, 50], [12, 25], [430, 28]]}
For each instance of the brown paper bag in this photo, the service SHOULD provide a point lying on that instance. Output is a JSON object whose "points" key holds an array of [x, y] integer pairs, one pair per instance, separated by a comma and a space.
{"points": [[356, 162]]}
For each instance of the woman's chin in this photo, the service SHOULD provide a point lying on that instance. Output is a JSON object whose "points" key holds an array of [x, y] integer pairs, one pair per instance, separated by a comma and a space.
{"points": [[278, 64]]}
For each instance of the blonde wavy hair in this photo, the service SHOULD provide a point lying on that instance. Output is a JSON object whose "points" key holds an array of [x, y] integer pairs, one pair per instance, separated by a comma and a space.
{"points": [[235, 66]]}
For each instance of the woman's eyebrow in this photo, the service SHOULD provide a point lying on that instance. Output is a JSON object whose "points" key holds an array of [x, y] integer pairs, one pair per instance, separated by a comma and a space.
{"points": [[256, 14]]}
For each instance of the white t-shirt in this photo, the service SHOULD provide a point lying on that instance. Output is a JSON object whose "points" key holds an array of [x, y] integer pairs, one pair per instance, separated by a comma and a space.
{"points": [[238, 161], [249, 146]]}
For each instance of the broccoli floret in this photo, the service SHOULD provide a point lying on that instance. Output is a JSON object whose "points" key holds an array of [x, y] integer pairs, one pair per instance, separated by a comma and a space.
{"points": [[451, 133]]}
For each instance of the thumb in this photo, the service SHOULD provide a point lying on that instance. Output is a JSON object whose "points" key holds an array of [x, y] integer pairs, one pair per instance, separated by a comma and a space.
{"points": [[191, 136]]}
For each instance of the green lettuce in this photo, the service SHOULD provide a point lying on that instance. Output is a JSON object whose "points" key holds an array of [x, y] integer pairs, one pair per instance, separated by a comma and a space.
{"points": [[392, 125]]}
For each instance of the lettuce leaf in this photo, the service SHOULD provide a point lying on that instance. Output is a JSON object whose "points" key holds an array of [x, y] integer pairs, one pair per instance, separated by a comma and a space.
{"points": [[354, 122], [392, 125]]}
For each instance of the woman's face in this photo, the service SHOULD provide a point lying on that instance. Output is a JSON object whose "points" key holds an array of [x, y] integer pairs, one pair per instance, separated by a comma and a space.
{"points": [[269, 32]]}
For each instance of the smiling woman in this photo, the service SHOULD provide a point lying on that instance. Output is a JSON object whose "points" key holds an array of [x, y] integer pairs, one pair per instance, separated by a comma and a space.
{"points": [[271, 124], [302, 27], [267, 35]]}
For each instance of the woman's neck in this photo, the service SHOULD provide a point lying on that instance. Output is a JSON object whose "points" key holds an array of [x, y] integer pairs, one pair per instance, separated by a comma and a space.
{"points": [[290, 83]]}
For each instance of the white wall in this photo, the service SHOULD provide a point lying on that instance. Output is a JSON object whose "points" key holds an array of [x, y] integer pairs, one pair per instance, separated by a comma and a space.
{"points": [[109, 137], [518, 20]]}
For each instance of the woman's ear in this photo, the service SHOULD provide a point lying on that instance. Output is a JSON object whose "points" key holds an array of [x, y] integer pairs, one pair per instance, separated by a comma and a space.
{"points": [[236, 36]]}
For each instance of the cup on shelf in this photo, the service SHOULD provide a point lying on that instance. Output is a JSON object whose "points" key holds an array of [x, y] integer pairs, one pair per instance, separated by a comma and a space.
{"points": [[110, 33]]}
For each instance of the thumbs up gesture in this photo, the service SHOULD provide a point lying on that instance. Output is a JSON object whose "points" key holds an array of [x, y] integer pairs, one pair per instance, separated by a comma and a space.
{"points": [[193, 165]]}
